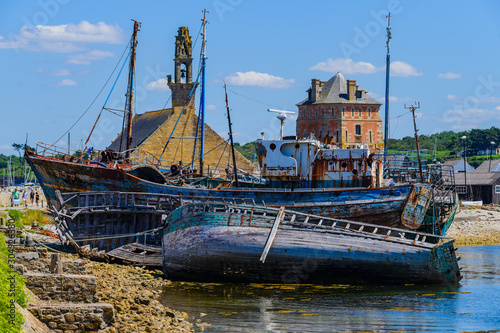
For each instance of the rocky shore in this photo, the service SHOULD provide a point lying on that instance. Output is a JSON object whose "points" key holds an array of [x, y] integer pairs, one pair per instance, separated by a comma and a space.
{"points": [[134, 291], [476, 226]]}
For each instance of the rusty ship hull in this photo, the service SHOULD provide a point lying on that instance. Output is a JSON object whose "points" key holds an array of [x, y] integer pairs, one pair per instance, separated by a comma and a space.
{"points": [[382, 205], [214, 243]]}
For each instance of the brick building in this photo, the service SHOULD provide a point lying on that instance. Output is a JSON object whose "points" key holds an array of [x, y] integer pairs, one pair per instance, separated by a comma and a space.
{"points": [[339, 112], [151, 130]]}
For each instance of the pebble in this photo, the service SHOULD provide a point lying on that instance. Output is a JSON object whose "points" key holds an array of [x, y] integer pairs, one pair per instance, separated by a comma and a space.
{"points": [[476, 226]]}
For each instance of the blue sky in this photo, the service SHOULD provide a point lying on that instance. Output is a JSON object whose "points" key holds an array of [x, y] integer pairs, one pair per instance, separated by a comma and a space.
{"points": [[56, 56]]}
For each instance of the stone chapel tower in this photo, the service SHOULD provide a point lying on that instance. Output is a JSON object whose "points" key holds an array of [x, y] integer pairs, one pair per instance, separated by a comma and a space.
{"points": [[183, 77]]}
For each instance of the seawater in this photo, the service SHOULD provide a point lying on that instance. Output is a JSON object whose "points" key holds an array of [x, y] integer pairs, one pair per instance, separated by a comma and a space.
{"points": [[471, 307]]}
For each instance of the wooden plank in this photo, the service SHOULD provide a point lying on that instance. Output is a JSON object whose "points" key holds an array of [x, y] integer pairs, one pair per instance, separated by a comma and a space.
{"points": [[272, 234]]}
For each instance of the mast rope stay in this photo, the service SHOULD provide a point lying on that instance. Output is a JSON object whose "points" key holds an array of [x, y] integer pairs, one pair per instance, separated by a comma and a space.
{"points": [[95, 99]]}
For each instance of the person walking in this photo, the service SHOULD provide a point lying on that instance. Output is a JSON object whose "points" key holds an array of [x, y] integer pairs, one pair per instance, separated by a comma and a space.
{"points": [[25, 198], [37, 198], [32, 197], [16, 197]]}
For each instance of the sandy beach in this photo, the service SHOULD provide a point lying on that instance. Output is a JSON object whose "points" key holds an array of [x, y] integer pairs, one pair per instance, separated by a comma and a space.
{"points": [[476, 226]]}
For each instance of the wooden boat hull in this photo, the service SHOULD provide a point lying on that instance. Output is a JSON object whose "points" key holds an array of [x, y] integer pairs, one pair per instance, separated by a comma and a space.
{"points": [[377, 205], [218, 246]]}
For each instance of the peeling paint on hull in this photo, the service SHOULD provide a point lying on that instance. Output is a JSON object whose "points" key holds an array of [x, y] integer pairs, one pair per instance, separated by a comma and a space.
{"points": [[377, 205], [216, 247]]}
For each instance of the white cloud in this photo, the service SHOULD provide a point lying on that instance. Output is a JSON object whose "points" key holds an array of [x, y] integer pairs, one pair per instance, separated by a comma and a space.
{"points": [[159, 85], [471, 100], [497, 108], [402, 69], [62, 38], [86, 58], [470, 118], [54, 72], [211, 107], [450, 76], [255, 79], [347, 66], [67, 83], [5, 147]]}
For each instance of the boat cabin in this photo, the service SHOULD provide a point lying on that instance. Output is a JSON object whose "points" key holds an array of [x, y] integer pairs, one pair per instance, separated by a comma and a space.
{"points": [[309, 163]]}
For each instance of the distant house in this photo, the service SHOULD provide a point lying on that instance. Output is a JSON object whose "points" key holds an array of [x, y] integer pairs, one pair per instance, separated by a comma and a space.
{"points": [[458, 166], [489, 166], [480, 186], [495, 151]]}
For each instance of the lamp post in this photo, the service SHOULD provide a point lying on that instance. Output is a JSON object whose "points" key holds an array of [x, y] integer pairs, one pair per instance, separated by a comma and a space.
{"points": [[491, 153], [465, 167]]}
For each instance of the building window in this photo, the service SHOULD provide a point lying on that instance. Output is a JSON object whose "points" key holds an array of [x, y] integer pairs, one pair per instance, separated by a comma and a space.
{"points": [[333, 112], [371, 138], [360, 112], [316, 112], [343, 112], [369, 112], [337, 136], [462, 189], [352, 112], [346, 136], [358, 129], [358, 94], [497, 189]]}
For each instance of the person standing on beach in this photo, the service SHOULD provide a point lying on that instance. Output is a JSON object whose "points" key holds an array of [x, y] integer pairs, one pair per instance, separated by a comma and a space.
{"points": [[25, 198], [37, 198], [32, 197], [16, 197]]}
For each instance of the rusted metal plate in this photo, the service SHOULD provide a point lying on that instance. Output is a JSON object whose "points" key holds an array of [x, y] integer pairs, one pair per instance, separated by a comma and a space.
{"points": [[416, 206]]}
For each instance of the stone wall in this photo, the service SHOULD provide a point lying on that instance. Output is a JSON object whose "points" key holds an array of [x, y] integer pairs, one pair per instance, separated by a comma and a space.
{"points": [[63, 287], [75, 317]]}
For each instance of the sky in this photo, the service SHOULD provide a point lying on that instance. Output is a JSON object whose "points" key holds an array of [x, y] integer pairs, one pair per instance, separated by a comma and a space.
{"points": [[57, 58]]}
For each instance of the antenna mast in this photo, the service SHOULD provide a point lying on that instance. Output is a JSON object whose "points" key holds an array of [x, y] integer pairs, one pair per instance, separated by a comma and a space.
{"points": [[130, 92], [412, 109], [231, 139], [387, 71]]}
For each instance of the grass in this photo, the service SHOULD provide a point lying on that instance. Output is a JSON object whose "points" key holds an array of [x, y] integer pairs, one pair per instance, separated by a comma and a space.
{"points": [[10, 291], [27, 217]]}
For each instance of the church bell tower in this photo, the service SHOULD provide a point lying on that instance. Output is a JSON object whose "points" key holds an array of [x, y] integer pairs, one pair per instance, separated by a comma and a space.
{"points": [[182, 84]]}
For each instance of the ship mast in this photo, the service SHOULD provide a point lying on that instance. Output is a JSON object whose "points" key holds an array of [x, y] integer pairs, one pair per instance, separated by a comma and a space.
{"points": [[387, 72], [235, 173], [202, 94], [130, 93]]}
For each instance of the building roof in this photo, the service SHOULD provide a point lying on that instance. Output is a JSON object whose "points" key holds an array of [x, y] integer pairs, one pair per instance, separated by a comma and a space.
{"points": [[143, 125], [476, 178], [485, 166], [335, 91], [458, 165]]}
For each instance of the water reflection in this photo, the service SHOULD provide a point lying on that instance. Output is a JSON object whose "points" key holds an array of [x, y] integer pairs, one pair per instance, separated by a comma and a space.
{"points": [[346, 308]]}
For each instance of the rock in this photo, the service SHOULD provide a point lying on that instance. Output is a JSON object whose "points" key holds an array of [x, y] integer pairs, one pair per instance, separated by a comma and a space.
{"points": [[27, 255]]}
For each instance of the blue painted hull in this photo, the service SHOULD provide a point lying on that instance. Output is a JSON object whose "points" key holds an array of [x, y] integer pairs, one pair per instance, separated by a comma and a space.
{"points": [[216, 247], [378, 205]]}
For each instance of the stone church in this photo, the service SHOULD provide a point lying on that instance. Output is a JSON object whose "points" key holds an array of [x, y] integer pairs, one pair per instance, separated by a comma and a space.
{"points": [[151, 130], [340, 113]]}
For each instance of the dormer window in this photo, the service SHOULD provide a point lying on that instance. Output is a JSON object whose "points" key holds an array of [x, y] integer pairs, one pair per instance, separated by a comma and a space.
{"points": [[359, 94]]}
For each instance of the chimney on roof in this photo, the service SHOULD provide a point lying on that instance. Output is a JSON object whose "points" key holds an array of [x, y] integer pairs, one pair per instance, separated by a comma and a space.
{"points": [[316, 89], [351, 90]]}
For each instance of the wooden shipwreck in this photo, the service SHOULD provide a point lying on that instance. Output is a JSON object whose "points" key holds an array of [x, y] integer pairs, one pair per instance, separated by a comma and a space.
{"points": [[214, 242]]}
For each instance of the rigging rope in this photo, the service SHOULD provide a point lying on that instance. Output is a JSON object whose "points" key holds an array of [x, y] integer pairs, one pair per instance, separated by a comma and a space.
{"points": [[253, 99], [88, 108]]}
